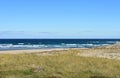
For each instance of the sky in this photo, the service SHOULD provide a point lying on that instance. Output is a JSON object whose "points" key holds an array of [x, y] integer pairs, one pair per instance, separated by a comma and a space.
{"points": [[59, 18]]}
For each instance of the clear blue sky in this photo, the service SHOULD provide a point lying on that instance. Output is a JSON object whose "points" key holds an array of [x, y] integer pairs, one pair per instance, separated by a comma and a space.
{"points": [[59, 18]]}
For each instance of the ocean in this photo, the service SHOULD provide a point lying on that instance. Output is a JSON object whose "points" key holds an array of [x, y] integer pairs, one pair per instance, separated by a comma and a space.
{"points": [[22, 44]]}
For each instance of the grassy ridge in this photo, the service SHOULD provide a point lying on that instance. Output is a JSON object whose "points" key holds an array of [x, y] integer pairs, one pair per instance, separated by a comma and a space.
{"points": [[65, 65]]}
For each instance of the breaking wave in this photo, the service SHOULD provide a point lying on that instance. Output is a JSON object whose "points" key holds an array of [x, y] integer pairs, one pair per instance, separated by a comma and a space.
{"points": [[55, 43]]}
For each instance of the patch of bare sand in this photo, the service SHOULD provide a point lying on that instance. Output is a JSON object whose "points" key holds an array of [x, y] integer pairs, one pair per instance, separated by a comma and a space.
{"points": [[102, 53]]}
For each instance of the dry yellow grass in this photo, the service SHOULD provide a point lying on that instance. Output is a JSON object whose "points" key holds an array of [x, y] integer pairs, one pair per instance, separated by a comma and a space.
{"points": [[65, 65]]}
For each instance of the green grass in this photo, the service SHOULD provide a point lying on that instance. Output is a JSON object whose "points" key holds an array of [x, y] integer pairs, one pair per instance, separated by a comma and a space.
{"points": [[65, 65]]}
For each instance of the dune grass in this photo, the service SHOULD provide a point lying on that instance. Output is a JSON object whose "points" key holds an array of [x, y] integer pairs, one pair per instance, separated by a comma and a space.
{"points": [[65, 65]]}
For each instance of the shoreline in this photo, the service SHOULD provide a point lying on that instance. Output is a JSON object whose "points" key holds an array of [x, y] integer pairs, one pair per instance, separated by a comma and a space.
{"points": [[22, 51], [31, 51]]}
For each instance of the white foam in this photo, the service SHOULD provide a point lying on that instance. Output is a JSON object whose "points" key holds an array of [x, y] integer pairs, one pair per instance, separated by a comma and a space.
{"points": [[21, 45]]}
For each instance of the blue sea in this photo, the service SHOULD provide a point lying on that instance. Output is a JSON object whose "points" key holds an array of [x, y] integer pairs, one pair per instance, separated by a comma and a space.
{"points": [[19, 44]]}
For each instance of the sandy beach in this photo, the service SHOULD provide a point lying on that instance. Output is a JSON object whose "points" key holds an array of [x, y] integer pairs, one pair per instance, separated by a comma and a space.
{"points": [[32, 51]]}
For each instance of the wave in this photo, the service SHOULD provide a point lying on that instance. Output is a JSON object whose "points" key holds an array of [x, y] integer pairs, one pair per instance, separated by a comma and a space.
{"points": [[40, 46]]}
